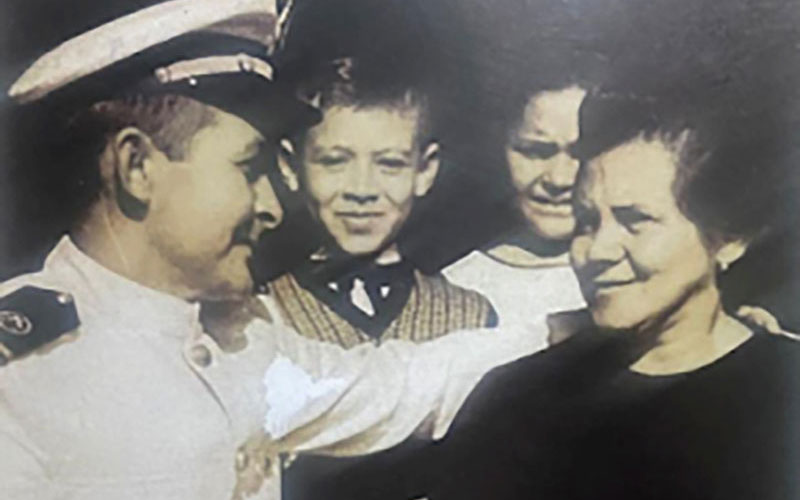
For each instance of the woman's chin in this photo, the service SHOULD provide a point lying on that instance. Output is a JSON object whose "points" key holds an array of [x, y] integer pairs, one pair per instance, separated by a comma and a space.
{"points": [[608, 317]]}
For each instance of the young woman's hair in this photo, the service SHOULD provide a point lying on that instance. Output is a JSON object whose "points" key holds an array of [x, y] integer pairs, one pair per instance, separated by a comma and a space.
{"points": [[507, 85], [537, 70]]}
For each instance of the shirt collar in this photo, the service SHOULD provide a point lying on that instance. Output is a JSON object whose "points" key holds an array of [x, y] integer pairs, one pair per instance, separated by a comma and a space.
{"points": [[108, 293]]}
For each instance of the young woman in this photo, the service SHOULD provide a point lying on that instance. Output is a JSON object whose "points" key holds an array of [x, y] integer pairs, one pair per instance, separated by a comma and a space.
{"points": [[525, 272]]}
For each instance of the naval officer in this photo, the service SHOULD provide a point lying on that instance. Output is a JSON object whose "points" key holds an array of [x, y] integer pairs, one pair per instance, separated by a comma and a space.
{"points": [[111, 388]]}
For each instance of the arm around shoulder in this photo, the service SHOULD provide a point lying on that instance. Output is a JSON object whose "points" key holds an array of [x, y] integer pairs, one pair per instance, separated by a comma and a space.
{"points": [[369, 398]]}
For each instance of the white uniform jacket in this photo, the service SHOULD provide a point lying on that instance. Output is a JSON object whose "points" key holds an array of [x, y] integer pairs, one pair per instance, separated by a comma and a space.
{"points": [[140, 403]]}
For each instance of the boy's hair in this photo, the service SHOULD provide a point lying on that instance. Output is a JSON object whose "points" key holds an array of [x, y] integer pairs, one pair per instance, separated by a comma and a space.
{"points": [[344, 83]]}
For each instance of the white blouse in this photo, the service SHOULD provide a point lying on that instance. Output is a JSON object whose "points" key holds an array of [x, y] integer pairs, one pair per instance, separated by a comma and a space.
{"points": [[523, 288]]}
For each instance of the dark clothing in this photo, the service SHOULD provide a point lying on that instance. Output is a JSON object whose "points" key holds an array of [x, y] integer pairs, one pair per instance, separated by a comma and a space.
{"points": [[393, 474], [574, 422], [332, 285]]}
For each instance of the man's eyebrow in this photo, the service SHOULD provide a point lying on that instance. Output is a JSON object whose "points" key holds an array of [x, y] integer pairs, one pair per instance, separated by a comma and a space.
{"points": [[253, 148]]}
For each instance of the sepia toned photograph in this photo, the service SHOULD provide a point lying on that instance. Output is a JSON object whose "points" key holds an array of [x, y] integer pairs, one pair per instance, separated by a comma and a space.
{"points": [[400, 250]]}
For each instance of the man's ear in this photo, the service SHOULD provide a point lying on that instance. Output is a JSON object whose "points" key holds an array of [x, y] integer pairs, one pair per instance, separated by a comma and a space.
{"points": [[134, 154], [730, 252], [429, 167], [287, 158]]}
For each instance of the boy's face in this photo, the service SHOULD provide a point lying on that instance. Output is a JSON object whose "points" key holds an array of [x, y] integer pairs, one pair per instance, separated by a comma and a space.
{"points": [[362, 169]]}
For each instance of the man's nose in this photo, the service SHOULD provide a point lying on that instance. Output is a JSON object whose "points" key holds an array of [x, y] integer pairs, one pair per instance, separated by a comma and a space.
{"points": [[266, 206], [560, 177]]}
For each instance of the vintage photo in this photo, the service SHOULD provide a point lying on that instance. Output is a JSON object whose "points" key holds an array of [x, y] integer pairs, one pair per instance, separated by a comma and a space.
{"points": [[400, 250]]}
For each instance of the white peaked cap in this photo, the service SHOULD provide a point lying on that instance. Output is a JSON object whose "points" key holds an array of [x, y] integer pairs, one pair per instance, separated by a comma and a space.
{"points": [[117, 40]]}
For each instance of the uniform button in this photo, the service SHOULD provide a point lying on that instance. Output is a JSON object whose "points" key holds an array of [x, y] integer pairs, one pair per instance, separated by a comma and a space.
{"points": [[200, 355], [288, 460], [64, 298], [242, 460]]}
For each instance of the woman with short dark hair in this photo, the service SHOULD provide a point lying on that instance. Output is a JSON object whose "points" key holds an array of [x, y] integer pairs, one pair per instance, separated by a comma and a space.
{"points": [[660, 394]]}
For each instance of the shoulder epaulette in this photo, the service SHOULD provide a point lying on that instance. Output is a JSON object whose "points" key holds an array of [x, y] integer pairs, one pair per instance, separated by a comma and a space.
{"points": [[31, 317]]}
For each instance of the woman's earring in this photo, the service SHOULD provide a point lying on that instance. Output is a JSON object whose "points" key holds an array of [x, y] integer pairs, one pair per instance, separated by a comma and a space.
{"points": [[723, 266]]}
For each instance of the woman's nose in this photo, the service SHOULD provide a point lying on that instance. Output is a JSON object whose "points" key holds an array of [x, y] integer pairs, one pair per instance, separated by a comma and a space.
{"points": [[560, 177], [606, 245]]}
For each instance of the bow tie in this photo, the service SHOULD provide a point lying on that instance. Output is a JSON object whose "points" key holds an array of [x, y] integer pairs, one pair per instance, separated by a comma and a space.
{"points": [[366, 294], [368, 287]]}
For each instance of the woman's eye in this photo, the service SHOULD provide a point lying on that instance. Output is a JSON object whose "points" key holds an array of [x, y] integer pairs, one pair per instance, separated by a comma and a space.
{"points": [[393, 163], [633, 220], [537, 150]]}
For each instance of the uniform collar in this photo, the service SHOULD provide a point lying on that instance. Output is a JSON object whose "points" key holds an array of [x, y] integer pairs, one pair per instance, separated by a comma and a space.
{"points": [[120, 298]]}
